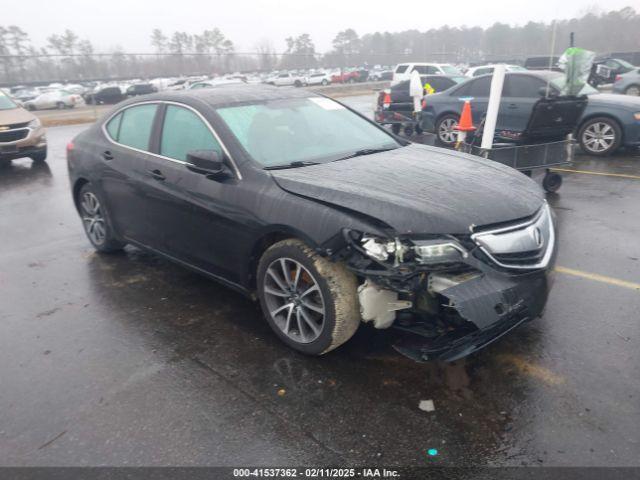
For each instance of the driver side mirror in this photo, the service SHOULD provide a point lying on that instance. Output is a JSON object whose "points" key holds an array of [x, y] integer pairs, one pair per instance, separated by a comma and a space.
{"points": [[206, 162]]}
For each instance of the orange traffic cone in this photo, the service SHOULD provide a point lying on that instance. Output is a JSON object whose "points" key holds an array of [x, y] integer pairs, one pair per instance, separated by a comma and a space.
{"points": [[466, 120]]}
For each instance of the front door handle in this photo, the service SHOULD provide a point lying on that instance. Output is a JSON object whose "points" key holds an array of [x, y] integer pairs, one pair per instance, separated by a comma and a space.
{"points": [[512, 106], [107, 155], [157, 175]]}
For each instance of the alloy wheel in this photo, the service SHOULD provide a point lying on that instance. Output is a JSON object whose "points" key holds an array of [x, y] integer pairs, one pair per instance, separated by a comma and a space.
{"points": [[598, 137], [633, 90], [294, 300], [92, 218], [446, 132]]}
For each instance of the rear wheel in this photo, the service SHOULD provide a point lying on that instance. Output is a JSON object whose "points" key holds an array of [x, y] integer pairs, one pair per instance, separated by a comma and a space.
{"points": [[310, 302], [445, 129], [95, 220], [633, 90], [395, 128], [600, 136], [325, 82], [297, 83], [60, 106]]}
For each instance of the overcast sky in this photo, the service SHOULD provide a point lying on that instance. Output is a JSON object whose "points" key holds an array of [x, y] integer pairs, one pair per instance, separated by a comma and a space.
{"points": [[128, 23]]}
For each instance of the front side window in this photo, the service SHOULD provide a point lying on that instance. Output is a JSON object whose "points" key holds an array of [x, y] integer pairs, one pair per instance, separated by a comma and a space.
{"points": [[184, 131], [524, 86], [316, 129], [401, 68], [480, 87], [113, 127], [136, 125]]}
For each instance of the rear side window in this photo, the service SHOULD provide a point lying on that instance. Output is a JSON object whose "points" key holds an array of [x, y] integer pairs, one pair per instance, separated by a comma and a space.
{"points": [[136, 125], [440, 84], [113, 127], [482, 71], [184, 131], [523, 86], [480, 87], [426, 69], [401, 68], [400, 87]]}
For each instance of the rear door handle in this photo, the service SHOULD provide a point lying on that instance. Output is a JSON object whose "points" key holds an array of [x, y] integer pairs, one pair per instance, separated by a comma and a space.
{"points": [[107, 155], [512, 106], [157, 175]]}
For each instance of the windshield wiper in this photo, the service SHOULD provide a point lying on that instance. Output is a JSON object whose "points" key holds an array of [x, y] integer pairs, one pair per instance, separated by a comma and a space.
{"points": [[296, 164], [365, 151]]}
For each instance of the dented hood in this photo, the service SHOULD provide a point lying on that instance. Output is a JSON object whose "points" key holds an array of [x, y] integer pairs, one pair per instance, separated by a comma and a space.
{"points": [[419, 189]]}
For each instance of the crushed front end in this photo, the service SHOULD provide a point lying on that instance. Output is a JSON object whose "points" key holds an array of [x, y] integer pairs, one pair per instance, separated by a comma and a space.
{"points": [[453, 294]]}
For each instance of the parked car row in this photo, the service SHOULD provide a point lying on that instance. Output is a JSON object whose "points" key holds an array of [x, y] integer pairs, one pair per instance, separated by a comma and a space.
{"points": [[609, 121]]}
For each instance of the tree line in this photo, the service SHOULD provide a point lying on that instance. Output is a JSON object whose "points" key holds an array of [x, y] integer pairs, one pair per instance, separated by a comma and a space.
{"points": [[68, 57]]}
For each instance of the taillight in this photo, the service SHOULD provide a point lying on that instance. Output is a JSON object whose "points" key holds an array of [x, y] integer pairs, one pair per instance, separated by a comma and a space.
{"points": [[386, 101], [70, 146], [423, 104], [618, 78]]}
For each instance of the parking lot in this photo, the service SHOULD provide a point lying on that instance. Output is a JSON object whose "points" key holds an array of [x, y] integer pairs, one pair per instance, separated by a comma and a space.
{"points": [[128, 359]]}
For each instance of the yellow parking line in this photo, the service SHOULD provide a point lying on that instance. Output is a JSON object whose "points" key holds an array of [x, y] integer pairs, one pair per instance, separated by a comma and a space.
{"points": [[599, 278], [589, 172]]}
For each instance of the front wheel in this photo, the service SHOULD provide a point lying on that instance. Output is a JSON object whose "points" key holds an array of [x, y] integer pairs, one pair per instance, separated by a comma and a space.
{"points": [[60, 106], [445, 130], [552, 182], [600, 136], [310, 302], [96, 222], [325, 82], [395, 128], [40, 156]]}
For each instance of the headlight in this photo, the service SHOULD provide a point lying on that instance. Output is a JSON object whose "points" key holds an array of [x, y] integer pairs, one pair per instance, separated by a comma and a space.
{"points": [[35, 123], [636, 115], [438, 251], [428, 252]]}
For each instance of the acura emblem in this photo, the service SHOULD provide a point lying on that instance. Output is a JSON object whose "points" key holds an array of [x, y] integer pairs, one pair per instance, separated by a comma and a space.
{"points": [[536, 234]]}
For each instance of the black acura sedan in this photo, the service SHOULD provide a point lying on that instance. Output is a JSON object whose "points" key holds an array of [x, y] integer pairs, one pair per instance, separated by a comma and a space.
{"points": [[323, 216]]}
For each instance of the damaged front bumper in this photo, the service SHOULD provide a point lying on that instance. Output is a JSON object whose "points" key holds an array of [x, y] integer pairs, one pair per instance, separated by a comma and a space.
{"points": [[500, 278], [489, 305]]}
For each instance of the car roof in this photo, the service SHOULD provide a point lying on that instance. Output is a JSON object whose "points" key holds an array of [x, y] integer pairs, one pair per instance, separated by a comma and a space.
{"points": [[225, 95]]}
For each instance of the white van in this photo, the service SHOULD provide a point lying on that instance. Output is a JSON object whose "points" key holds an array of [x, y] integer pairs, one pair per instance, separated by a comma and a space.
{"points": [[403, 70]]}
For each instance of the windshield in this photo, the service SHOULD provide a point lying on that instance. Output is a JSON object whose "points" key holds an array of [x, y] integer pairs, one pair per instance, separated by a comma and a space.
{"points": [[6, 103], [450, 70], [559, 83], [624, 63], [316, 129]]}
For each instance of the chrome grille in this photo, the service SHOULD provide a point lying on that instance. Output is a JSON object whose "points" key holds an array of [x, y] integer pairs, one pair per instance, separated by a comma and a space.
{"points": [[526, 245]]}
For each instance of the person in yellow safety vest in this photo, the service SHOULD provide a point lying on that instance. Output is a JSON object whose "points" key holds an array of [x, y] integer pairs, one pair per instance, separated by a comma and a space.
{"points": [[428, 89]]}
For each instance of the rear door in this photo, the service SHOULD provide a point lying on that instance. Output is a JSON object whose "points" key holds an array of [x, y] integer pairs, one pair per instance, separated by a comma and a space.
{"points": [[123, 159]]}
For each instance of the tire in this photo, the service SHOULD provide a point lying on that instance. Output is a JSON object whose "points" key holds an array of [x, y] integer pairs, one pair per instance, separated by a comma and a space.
{"points": [[325, 82], [60, 106], [351, 80], [334, 316], [31, 107], [444, 129], [408, 130], [552, 182], [419, 130], [632, 90], [395, 128], [600, 136], [96, 222], [40, 157], [297, 84]]}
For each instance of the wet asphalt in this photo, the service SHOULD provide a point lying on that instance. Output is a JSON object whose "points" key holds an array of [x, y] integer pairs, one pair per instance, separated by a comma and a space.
{"points": [[128, 359]]}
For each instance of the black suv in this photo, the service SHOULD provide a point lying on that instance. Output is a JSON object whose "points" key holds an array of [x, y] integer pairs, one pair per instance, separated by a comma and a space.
{"points": [[141, 89]]}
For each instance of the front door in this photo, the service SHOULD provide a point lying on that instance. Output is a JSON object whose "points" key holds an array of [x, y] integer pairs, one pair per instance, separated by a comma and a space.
{"points": [[187, 211]]}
